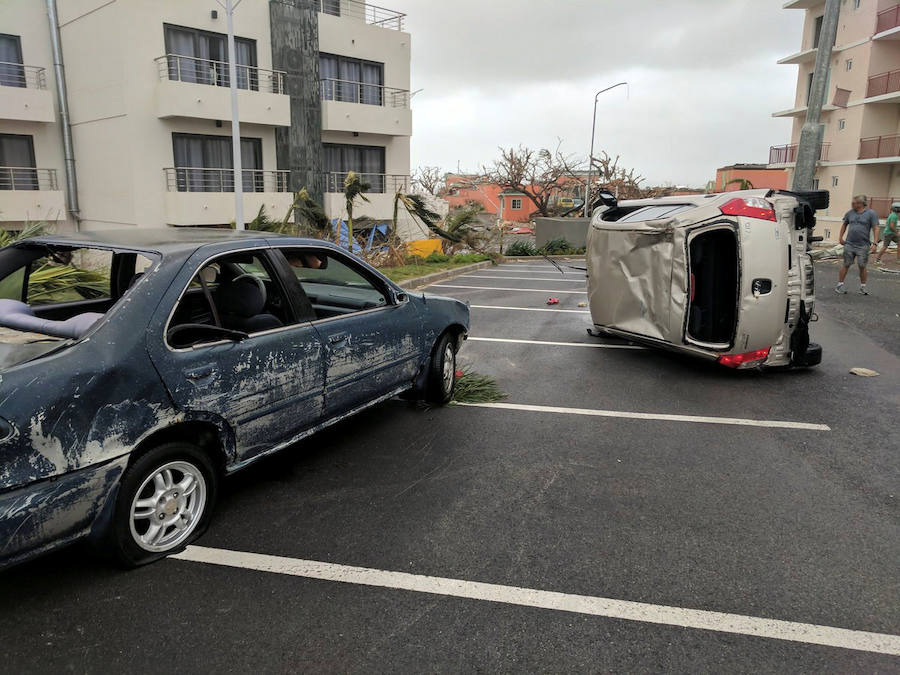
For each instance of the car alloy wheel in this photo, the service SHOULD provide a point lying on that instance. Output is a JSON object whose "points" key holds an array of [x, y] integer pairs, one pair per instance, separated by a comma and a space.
{"points": [[449, 369], [168, 506]]}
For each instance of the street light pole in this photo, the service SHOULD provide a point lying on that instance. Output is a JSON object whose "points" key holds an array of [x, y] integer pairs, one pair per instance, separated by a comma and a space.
{"points": [[587, 186], [235, 120]]}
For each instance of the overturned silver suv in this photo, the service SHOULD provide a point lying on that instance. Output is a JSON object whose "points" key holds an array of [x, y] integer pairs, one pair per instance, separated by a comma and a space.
{"points": [[721, 276]]}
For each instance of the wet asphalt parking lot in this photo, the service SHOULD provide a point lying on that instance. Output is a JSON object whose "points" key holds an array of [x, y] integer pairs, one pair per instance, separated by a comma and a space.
{"points": [[625, 510]]}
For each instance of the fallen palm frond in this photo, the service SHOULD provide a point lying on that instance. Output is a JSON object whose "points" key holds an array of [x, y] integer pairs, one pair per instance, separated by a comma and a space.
{"points": [[52, 281], [29, 230], [475, 388]]}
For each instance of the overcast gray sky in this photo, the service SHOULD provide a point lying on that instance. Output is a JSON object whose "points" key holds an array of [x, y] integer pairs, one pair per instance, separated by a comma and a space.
{"points": [[702, 73]]}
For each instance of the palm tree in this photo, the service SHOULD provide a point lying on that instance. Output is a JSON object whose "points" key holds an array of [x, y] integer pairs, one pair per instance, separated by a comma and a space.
{"points": [[353, 187], [310, 212], [743, 182]]}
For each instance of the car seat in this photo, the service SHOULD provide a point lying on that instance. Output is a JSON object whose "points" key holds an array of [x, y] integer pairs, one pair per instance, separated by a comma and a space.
{"points": [[241, 303]]}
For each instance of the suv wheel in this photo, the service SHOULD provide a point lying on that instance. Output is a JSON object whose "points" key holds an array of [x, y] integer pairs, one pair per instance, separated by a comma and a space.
{"points": [[164, 503]]}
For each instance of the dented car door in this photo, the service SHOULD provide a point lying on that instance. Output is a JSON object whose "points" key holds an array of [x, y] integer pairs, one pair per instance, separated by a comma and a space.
{"points": [[268, 387]]}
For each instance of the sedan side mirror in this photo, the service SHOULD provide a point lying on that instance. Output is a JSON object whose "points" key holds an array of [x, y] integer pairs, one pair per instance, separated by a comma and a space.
{"points": [[400, 297]]}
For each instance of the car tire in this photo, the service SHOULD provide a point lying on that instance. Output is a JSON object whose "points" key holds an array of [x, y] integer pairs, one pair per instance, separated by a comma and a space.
{"points": [[165, 502], [441, 381]]}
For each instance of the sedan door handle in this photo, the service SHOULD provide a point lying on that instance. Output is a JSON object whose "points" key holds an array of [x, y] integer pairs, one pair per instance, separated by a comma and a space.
{"points": [[200, 373]]}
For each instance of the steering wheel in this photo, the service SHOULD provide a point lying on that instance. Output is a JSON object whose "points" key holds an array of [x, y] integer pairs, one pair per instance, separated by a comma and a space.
{"points": [[259, 282]]}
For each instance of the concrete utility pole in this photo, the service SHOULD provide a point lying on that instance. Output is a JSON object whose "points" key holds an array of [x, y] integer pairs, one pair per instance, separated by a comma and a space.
{"points": [[587, 185], [229, 7], [812, 132]]}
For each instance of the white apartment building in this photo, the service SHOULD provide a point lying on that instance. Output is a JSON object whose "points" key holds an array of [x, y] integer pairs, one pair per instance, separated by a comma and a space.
{"points": [[861, 147], [323, 90]]}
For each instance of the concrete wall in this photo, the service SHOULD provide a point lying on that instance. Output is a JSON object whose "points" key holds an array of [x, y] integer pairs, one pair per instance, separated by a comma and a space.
{"points": [[573, 230]]}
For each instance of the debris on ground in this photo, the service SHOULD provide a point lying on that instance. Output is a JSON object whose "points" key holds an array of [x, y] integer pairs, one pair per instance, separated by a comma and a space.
{"points": [[552, 301], [474, 388], [825, 253], [582, 304], [864, 372]]}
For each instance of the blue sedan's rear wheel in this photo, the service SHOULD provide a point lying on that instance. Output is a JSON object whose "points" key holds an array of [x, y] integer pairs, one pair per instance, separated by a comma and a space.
{"points": [[164, 503], [442, 371]]}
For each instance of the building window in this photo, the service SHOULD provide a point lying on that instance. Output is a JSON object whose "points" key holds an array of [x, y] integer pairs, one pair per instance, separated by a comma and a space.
{"points": [[515, 204], [815, 183], [204, 163], [351, 80], [366, 160], [202, 57], [17, 170], [817, 30], [848, 64], [809, 79], [834, 181], [332, 7], [842, 124], [856, 4], [12, 74]]}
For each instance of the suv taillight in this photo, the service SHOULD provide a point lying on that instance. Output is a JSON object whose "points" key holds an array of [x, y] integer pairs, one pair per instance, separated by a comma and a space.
{"points": [[752, 207], [745, 360]]}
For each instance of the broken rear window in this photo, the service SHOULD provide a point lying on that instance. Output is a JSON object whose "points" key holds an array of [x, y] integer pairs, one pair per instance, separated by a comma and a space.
{"points": [[52, 293]]}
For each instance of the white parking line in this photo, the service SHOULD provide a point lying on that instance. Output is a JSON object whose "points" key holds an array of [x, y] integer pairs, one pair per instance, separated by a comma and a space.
{"points": [[531, 309], [496, 278], [598, 345], [665, 417], [722, 622], [502, 288]]}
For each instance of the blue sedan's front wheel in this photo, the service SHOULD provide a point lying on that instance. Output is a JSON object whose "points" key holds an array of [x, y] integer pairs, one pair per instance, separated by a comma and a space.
{"points": [[442, 371]]}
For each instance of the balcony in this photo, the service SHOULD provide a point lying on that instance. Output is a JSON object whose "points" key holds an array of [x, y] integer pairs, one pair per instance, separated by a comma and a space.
{"points": [[787, 154], [199, 88], [385, 183], [205, 196], [24, 96], [882, 205], [887, 20], [363, 11], [883, 83], [364, 108], [27, 193], [877, 147]]}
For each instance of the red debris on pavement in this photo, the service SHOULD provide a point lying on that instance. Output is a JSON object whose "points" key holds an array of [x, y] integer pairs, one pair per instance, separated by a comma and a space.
{"points": [[553, 301]]}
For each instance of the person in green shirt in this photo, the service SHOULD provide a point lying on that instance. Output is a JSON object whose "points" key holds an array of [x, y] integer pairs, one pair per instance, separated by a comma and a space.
{"points": [[891, 233]]}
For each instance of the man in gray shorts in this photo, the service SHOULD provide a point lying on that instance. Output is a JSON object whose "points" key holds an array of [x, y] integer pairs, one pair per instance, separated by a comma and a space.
{"points": [[859, 223]]}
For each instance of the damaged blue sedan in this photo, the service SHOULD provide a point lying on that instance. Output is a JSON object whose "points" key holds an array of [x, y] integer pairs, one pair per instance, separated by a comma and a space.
{"points": [[138, 368]]}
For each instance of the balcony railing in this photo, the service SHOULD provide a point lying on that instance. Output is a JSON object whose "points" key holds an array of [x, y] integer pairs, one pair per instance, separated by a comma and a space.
{"points": [[371, 14], [883, 83], [203, 71], [879, 146], [27, 178], [787, 154], [379, 182], [889, 18], [882, 205], [19, 75], [359, 92], [196, 179]]}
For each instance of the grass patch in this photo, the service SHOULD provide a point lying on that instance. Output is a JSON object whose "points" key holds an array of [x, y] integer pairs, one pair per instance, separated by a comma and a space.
{"points": [[474, 388], [419, 267]]}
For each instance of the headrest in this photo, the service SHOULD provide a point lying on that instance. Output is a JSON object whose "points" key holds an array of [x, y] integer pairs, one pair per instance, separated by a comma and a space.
{"points": [[240, 297], [19, 316]]}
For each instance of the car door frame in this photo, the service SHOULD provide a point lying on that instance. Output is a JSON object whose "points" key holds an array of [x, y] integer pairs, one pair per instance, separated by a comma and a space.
{"points": [[161, 352]]}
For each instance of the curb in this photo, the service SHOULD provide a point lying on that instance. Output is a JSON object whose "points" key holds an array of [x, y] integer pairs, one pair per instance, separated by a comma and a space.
{"points": [[440, 276], [527, 258]]}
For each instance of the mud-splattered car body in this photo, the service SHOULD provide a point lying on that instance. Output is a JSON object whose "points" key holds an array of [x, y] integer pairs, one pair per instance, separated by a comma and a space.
{"points": [[75, 411]]}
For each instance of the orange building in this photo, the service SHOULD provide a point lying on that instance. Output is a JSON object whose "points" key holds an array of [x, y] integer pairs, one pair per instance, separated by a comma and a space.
{"points": [[758, 175], [509, 205]]}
